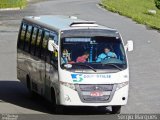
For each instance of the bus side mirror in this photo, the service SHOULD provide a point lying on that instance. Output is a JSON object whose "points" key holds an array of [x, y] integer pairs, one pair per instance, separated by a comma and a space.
{"points": [[129, 46], [52, 46]]}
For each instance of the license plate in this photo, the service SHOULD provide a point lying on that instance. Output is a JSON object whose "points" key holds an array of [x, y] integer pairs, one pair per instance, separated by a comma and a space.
{"points": [[96, 94]]}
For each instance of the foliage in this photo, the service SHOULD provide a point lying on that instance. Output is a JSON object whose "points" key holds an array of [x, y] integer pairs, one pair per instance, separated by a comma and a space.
{"points": [[135, 9], [157, 2], [12, 3]]}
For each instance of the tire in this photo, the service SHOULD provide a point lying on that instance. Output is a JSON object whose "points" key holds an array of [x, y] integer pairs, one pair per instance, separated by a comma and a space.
{"points": [[116, 109], [28, 82], [32, 93], [103, 109], [56, 108]]}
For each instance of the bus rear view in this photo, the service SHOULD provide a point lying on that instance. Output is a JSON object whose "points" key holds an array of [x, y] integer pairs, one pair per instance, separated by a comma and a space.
{"points": [[91, 65]]}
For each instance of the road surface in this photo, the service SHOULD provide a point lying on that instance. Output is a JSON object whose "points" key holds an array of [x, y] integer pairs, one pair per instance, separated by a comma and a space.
{"points": [[144, 60]]}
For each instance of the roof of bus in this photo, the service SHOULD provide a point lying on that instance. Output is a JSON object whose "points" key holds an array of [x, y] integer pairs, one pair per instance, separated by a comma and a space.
{"points": [[60, 22]]}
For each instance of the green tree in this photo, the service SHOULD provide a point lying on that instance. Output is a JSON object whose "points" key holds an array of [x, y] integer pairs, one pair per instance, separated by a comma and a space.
{"points": [[157, 2]]}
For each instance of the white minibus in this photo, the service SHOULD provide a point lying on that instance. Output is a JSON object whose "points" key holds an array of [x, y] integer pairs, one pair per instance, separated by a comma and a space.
{"points": [[73, 62]]}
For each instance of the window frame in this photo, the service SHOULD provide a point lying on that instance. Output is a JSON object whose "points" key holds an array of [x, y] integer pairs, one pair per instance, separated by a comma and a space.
{"points": [[40, 43], [32, 52], [39, 35], [20, 43], [44, 50], [27, 48]]}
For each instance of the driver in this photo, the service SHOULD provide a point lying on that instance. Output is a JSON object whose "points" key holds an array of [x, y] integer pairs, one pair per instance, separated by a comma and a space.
{"points": [[107, 54]]}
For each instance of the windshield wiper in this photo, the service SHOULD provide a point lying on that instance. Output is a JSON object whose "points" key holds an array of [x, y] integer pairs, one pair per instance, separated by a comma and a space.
{"points": [[79, 64], [111, 64]]}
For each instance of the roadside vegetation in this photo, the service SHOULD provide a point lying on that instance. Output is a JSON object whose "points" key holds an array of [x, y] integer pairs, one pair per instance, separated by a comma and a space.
{"points": [[135, 9], [157, 2], [12, 3]]}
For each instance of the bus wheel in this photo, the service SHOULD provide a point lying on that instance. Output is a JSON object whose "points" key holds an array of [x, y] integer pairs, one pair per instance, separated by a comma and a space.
{"points": [[32, 93], [56, 108], [116, 109], [28, 83]]}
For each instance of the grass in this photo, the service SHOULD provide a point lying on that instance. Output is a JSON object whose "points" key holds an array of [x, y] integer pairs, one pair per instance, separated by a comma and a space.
{"points": [[135, 9], [12, 3]]}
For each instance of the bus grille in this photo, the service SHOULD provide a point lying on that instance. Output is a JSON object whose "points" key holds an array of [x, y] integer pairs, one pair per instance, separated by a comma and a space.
{"points": [[95, 93], [96, 87]]}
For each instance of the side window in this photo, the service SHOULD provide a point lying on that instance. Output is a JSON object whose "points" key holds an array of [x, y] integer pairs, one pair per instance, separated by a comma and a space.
{"points": [[28, 38], [44, 45], [53, 36], [22, 36], [52, 57], [39, 43], [33, 41]]}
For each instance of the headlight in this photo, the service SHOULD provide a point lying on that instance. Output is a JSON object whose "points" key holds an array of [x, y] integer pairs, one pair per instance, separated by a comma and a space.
{"points": [[120, 85], [69, 85]]}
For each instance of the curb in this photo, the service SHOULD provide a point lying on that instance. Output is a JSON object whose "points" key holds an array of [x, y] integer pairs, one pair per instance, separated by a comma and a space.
{"points": [[9, 9]]}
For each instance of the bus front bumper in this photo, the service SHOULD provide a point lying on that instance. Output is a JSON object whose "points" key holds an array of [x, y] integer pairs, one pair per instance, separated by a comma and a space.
{"points": [[70, 97]]}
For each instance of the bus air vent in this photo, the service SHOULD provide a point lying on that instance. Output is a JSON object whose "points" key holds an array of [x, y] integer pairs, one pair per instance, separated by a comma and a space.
{"points": [[84, 24], [36, 17], [73, 17]]}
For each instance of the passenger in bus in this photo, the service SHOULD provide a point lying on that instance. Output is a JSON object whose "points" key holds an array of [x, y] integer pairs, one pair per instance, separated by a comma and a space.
{"points": [[65, 57], [83, 58], [106, 55]]}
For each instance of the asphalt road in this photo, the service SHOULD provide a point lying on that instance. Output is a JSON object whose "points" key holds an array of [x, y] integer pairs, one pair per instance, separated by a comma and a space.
{"points": [[144, 60]]}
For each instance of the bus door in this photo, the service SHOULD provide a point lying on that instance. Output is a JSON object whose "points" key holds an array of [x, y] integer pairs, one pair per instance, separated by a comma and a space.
{"points": [[51, 67], [42, 70]]}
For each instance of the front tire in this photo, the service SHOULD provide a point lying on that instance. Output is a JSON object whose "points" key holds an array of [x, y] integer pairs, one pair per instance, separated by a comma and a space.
{"points": [[32, 93], [56, 108], [116, 109]]}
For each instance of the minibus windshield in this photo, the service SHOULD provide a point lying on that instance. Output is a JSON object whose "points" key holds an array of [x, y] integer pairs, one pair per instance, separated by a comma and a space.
{"points": [[97, 52]]}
